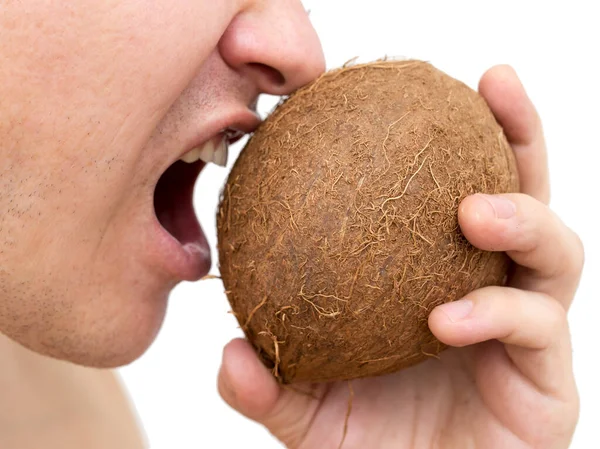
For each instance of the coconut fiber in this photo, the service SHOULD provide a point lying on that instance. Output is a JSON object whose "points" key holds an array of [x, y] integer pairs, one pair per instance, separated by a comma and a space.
{"points": [[337, 227]]}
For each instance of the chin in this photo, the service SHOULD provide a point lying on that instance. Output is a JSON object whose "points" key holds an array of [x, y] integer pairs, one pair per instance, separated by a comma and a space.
{"points": [[108, 337], [131, 334]]}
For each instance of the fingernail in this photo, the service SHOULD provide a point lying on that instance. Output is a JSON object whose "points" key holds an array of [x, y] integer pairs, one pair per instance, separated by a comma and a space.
{"points": [[503, 207], [457, 310]]}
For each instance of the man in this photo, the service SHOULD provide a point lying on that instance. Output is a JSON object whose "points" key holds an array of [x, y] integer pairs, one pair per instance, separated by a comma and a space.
{"points": [[99, 100]]}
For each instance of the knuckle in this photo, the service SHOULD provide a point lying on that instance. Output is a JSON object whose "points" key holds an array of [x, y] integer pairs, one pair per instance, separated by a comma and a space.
{"points": [[553, 322], [578, 252], [571, 262], [557, 317], [533, 225], [569, 251]]}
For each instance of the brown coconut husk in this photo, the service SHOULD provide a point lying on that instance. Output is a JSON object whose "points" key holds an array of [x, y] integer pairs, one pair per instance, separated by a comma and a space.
{"points": [[338, 229]]}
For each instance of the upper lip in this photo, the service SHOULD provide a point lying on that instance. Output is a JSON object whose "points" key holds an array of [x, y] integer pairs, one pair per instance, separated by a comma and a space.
{"points": [[236, 124]]}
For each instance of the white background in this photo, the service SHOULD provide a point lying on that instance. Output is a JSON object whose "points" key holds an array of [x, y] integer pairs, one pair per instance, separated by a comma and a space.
{"points": [[554, 48]]}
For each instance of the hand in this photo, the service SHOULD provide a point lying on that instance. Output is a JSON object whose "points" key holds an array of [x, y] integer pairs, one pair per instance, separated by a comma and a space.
{"points": [[507, 380]]}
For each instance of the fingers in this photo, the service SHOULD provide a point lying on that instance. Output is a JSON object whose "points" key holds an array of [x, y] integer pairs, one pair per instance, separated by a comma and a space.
{"points": [[244, 383], [549, 254], [250, 388], [515, 317], [532, 325], [515, 112]]}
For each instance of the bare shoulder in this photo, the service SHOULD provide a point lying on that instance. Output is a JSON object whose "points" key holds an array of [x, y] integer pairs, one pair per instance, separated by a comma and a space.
{"points": [[54, 404]]}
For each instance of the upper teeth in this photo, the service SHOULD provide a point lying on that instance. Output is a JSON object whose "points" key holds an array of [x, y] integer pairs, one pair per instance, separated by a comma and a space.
{"points": [[212, 151]]}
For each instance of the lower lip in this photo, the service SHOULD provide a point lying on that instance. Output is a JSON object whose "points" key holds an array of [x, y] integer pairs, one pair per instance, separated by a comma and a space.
{"points": [[183, 262], [188, 261]]}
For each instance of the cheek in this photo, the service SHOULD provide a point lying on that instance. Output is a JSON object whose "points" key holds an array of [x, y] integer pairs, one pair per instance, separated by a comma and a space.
{"points": [[91, 80], [86, 84], [102, 65], [83, 86]]}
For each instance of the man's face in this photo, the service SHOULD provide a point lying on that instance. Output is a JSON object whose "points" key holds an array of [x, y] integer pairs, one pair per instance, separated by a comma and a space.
{"points": [[98, 100]]}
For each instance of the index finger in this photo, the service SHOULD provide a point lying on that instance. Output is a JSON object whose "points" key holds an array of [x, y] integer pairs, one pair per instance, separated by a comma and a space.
{"points": [[515, 112]]}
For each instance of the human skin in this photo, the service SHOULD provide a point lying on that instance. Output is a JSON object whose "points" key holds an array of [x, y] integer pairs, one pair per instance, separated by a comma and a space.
{"points": [[51, 404], [98, 99], [507, 380]]}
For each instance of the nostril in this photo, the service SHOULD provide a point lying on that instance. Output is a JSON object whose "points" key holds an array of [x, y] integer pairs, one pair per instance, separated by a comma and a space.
{"points": [[272, 75]]}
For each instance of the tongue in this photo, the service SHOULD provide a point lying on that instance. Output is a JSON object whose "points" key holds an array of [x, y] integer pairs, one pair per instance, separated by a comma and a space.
{"points": [[173, 203]]}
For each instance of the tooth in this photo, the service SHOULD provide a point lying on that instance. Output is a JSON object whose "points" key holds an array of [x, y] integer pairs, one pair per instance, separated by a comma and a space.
{"points": [[205, 152], [221, 153], [208, 153], [191, 156]]}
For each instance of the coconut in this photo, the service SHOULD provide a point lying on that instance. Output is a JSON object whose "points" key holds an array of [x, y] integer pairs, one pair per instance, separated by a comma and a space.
{"points": [[337, 227]]}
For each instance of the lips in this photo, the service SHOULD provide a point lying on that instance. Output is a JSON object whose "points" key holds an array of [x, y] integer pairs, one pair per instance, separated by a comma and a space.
{"points": [[183, 248]]}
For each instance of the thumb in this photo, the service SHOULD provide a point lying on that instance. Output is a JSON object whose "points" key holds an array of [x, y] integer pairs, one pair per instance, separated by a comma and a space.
{"points": [[250, 388]]}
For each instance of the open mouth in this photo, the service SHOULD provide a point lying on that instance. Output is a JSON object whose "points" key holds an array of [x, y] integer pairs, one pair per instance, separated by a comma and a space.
{"points": [[174, 201]]}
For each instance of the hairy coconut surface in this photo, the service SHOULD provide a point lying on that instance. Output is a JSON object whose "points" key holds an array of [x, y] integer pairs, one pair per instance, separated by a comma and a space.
{"points": [[338, 230]]}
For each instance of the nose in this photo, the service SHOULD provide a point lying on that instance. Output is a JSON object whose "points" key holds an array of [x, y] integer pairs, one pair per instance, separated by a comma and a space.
{"points": [[275, 45]]}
